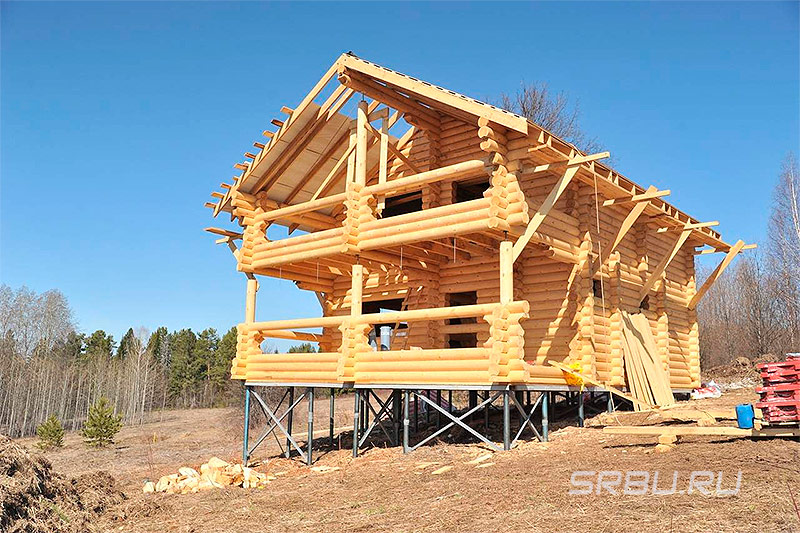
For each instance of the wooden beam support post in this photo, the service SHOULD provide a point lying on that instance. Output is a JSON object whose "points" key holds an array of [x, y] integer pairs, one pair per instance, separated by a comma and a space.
{"points": [[361, 143], [663, 264], [357, 290], [506, 272], [250, 301], [735, 249], [383, 161]]}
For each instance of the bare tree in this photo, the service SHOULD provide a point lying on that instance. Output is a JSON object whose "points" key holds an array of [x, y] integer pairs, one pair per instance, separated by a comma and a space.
{"points": [[754, 308], [554, 112]]}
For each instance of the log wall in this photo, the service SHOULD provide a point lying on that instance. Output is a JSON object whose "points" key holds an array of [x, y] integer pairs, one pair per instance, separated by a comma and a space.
{"points": [[575, 301]]}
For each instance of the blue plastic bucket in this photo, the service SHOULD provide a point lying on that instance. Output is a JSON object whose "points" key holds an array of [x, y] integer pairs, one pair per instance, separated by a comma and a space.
{"points": [[745, 415]]}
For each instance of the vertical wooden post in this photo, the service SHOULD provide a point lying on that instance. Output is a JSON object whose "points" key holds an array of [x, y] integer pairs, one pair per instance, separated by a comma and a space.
{"points": [[383, 165], [250, 301], [356, 290], [351, 159], [361, 144], [506, 272]]}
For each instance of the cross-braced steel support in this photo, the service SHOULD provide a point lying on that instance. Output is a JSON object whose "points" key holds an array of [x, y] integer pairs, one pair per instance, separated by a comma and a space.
{"points": [[386, 417], [454, 417], [275, 422]]}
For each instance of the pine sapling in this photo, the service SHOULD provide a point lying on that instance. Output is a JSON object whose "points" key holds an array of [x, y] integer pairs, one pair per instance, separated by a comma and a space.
{"points": [[51, 433], [101, 425]]}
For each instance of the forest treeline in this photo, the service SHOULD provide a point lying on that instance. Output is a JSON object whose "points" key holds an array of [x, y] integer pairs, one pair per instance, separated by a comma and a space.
{"points": [[48, 368], [754, 308]]}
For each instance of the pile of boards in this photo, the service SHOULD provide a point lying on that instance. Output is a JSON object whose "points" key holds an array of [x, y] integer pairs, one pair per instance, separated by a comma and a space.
{"points": [[665, 424], [216, 473], [647, 378]]}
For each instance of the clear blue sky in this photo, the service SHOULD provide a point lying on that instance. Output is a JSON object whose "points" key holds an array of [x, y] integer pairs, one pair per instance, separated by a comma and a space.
{"points": [[118, 119]]}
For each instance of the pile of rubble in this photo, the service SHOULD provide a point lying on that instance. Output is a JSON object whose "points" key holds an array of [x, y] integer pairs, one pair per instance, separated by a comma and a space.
{"points": [[214, 474], [36, 499]]}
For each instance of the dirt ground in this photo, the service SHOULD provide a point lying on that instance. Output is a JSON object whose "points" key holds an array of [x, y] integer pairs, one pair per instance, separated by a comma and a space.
{"points": [[384, 490]]}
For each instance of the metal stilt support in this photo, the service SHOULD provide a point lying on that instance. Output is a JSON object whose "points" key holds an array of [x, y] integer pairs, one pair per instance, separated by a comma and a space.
{"points": [[310, 439], [289, 424], [245, 453], [397, 409], [485, 412], [610, 405], [356, 421], [405, 421], [506, 420], [580, 409], [331, 419], [438, 415], [545, 415], [275, 422]]}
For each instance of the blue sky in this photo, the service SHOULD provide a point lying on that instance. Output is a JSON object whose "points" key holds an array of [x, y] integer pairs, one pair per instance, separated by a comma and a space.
{"points": [[118, 119]]}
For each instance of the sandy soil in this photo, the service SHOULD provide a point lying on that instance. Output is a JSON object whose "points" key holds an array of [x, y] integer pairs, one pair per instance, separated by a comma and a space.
{"points": [[384, 490]]}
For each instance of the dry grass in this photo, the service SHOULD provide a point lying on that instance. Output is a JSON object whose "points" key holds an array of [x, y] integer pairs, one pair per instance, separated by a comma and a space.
{"points": [[384, 490]]}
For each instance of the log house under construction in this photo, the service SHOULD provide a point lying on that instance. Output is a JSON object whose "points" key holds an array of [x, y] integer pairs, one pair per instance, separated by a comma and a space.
{"points": [[452, 245]]}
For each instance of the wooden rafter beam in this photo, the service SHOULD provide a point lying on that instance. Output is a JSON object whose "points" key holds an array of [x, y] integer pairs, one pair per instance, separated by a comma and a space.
{"points": [[224, 233], [321, 161], [304, 137], [392, 148], [443, 98], [624, 228], [696, 225], [426, 117], [573, 165], [659, 270], [720, 250], [573, 162], [714, 276], [648, 195]]}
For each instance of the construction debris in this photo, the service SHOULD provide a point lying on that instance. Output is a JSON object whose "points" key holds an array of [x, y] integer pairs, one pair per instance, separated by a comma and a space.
{"points": [[780, 393], [479, 459], [214, 474]]}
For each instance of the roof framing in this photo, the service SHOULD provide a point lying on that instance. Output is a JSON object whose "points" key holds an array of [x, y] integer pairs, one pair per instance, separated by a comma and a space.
{"points": [[422, 104]]}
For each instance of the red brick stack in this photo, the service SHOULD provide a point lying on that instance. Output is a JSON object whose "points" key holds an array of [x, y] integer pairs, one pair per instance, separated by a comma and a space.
{"points": [[780, 395]]}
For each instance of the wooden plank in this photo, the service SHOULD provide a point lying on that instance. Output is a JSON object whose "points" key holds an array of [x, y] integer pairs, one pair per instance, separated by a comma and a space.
{"points": [[701, 431], [735, 249], [318, 164]]}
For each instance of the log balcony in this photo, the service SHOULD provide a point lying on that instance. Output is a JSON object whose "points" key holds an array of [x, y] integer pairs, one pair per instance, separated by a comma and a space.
{"points": [[502, 209], [499, 361]]}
